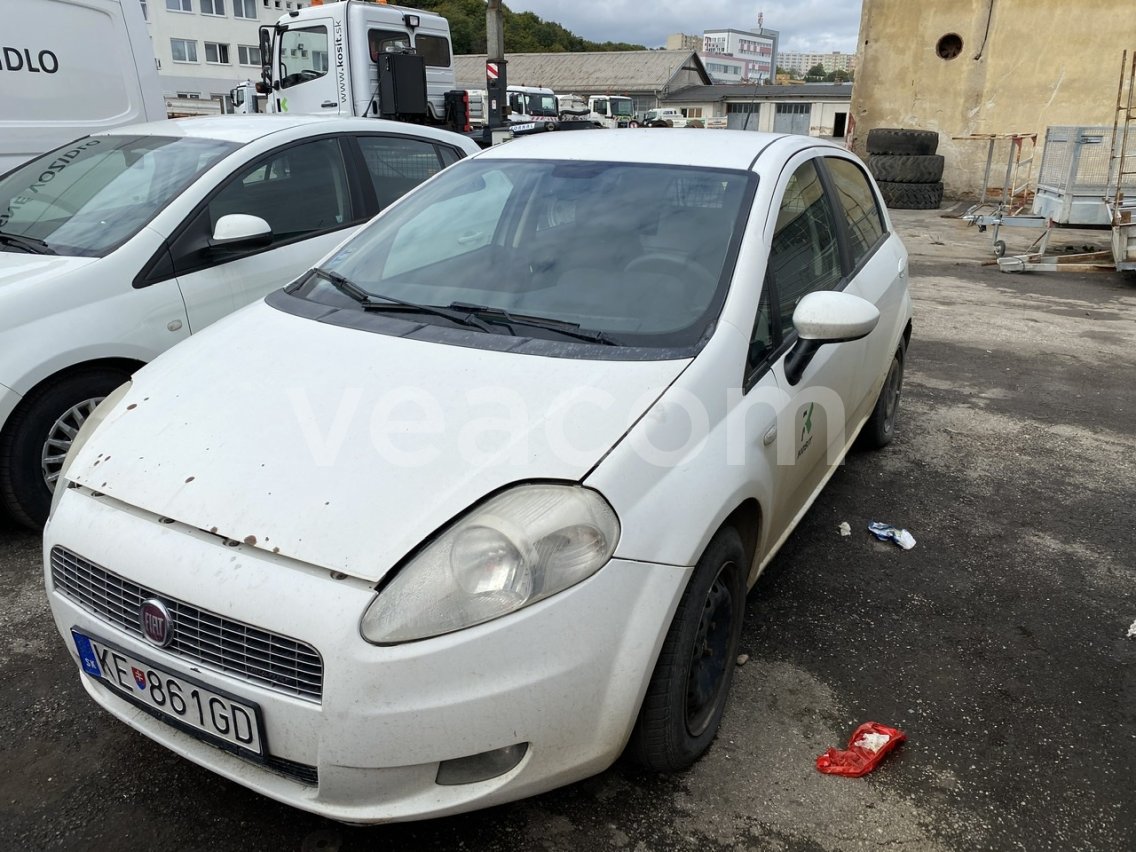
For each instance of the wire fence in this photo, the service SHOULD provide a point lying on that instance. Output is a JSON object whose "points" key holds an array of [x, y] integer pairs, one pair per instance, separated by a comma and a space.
{"points": [[1080, 159]]}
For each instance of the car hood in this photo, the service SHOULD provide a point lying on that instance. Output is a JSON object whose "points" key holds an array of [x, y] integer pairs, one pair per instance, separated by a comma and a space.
{"points": [[347, 449]]}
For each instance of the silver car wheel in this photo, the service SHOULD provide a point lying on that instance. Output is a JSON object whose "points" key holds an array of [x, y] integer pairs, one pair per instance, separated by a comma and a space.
{"points": [[60, 437]]}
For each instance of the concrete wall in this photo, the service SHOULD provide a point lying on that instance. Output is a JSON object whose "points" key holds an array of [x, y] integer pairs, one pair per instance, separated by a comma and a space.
{"points": [[823, 118], [1024, 65]]}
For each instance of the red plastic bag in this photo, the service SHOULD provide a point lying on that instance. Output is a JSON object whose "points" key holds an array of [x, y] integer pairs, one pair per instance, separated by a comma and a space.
{"points": [[867, 746]]}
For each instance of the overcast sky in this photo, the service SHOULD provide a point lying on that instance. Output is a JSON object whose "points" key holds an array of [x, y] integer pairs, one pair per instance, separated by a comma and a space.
{"points": [[811, 26]]}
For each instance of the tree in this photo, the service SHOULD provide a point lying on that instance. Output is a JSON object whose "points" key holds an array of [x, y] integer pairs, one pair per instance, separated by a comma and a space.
{"points": [[815, 74], [524, 31]]}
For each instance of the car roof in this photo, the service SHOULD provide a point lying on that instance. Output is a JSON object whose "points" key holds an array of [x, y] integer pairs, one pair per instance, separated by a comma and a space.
{"points": [[244, 129], [730, 149]]}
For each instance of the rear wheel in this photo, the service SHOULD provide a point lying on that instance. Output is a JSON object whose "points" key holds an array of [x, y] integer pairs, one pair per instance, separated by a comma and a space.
{"points": [[687, 693], [38, 436]]}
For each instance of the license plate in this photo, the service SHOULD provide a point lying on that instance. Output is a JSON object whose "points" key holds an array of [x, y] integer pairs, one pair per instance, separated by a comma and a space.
{"points": [[173, 697]]}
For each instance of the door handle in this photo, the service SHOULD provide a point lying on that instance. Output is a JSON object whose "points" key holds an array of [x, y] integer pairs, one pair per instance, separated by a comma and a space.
{"points": [[466, 239], [769, 437], [328, 104]]}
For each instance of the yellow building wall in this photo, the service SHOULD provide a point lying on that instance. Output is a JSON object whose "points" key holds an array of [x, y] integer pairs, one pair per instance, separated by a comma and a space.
{"points": [[1025, 65]]}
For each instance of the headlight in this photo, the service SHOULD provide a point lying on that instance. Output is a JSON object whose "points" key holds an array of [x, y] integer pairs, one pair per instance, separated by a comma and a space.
{"points": [[517, 548], [85, 431]]}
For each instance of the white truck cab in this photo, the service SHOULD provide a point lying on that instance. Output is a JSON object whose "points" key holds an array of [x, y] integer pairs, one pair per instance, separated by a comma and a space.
{"points": [[532, 104], [612, 110], [354, 58]]}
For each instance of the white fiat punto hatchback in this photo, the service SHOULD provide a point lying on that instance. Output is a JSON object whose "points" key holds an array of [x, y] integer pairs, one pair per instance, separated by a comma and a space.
{"points": [[472, 507]]}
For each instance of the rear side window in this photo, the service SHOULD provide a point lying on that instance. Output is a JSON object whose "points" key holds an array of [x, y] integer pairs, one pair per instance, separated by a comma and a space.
{"points": [[861, 211], [387, 41], [805, 255], [435, 49], [397, 165]]}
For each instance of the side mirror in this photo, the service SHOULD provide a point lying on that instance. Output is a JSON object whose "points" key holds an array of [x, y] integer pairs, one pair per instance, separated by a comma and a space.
{"points": [[240, 230], [827, 316]]}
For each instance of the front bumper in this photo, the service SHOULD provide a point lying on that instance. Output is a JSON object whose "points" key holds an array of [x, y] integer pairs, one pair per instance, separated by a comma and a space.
{"points": [[566, 675]]}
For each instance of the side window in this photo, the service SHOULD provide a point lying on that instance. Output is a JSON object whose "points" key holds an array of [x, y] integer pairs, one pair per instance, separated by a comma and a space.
{"points": [[435, 49], [805, 255], [397, 165], [387, 41], [861, 212], [298, 191], [303, 55], [449, 155]]}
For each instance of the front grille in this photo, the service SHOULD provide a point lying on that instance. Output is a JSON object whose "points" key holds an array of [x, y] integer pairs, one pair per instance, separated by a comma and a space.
{"points": [[222, 644]]}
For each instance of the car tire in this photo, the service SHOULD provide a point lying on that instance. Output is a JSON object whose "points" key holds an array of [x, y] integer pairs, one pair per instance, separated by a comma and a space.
{"points": [[895, 140], [907, 168], [911, 196], [687, 693], [880, 428], [46, 415]]}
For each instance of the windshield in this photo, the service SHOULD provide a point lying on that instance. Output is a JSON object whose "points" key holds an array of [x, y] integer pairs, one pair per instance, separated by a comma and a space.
{"points": [[621, 106], [544, 105], [539, 104], [86, 198], [640, 253]]}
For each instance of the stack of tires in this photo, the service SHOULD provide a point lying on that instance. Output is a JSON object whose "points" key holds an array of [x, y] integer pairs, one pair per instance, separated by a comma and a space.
{"points": [[906, 167]]}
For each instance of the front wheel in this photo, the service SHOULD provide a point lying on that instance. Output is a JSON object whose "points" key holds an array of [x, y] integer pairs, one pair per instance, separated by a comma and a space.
{"points": [[687, 693], [38, 436], [880, 428]]}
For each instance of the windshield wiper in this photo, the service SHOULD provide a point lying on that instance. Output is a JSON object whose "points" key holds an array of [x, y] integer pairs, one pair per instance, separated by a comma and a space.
{"points": [[28, 244], [500, 315], [390, 304]]}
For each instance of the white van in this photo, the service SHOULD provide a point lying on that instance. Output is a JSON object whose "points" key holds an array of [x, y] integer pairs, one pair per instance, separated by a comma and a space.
{"points": [[72, 67]]}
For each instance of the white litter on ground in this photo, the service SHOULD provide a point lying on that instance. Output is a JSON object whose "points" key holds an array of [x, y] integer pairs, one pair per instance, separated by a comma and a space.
{"points": [[1132, 630], [845, 528], [872, 742]]}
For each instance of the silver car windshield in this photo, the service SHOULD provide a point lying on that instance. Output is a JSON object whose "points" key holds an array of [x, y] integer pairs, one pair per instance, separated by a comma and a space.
{"points": [[87, 198], [641, 252]]}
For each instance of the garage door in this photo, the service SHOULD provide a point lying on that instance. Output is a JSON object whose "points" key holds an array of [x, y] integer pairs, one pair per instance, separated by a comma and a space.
{"points": [[792, 118], [742, 116]]}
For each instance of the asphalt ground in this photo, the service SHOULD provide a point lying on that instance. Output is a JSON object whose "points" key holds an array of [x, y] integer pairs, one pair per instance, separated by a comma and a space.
{"points": [[999, 644]]}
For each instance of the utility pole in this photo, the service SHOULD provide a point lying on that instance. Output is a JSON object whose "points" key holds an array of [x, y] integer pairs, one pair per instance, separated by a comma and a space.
{"points": [[496, 84]]}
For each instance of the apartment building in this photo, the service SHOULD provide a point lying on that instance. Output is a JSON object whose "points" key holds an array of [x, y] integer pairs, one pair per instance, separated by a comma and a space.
{"points": [[724, 69], [757, 49], [203, 48], [682, 41], [800, 63]]}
